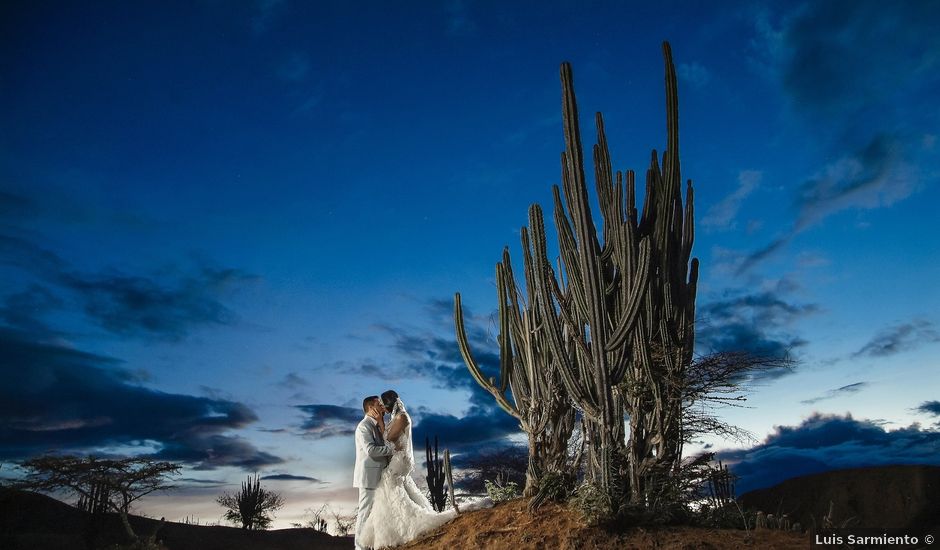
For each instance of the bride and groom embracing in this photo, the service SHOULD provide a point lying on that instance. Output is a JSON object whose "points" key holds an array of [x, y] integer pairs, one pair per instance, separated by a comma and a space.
{"points": [[392, 510]]}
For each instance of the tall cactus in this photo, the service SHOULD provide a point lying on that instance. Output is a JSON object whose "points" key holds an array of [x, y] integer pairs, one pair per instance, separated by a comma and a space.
{"points": [[539, 401], [589, 326], [612, 330], [668, 329]]}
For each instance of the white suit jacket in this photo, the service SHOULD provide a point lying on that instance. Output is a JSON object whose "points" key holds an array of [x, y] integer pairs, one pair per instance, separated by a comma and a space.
{"points": [[370, 455]]}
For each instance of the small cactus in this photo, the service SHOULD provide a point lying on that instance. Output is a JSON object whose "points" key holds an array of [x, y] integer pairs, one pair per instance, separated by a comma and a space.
{"points": [[449, 473], [435, 477], [760, 521]]}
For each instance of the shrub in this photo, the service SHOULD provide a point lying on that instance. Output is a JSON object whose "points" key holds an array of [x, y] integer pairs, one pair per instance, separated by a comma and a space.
{"points": [[500, 492], [593, 503]]}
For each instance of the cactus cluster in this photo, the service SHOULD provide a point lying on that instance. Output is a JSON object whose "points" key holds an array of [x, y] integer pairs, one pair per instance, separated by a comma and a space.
{"points": [[539, 400], [436, 477], [96, 500], [610, 331], [720, 485]]}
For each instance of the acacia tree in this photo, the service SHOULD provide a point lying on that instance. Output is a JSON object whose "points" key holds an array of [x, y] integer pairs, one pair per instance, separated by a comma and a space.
{"points": [[318, 521], [251, 505], [102, 484], [345, 523]]}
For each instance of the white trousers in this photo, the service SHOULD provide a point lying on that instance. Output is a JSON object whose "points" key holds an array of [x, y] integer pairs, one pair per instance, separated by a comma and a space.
{"points": [[366, 498]]}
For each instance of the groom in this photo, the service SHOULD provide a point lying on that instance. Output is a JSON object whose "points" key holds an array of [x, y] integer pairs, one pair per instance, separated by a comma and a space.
{"points": [[371, 459]]}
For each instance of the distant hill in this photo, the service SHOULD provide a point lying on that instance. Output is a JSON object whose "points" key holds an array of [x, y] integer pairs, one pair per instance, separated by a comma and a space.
{"points": [[885, 496], [30, 521]]}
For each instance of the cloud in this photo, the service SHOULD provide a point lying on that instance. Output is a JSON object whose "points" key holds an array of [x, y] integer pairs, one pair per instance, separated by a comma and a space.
{"points": [[480, 426], [873, 177], [755, 323], [831, 394], [166, 306], [426, 354], [292, 380], [59, 398], [929, 407], [722, 215], [900, 338], [23, 310], [325, 421], [845, 59], [142, 306], [863, 90], [209, 451], [24, 254], [828, 442], [189, 482], [291, 477], [693, 73]]}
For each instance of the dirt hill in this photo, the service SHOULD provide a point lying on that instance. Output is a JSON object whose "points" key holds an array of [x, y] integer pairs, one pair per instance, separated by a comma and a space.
{"points": [[892, 496], [509, 526], [888, 496]]}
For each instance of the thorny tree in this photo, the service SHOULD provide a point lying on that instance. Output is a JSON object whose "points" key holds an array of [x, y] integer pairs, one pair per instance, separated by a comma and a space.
{"points": [[105, 484]]}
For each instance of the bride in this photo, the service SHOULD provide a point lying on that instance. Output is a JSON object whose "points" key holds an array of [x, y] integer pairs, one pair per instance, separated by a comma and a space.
{"points": [[400, 511]]}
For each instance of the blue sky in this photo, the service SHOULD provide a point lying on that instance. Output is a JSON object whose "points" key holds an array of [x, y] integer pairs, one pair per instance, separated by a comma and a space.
{"points": [[224, 223]]}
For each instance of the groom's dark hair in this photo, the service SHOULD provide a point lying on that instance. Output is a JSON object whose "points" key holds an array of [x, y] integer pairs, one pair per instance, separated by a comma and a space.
{"points": [[368, 401], [388, 399]]}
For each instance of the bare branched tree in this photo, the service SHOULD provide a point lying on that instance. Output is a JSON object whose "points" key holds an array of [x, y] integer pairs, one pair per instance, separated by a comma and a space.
{"points": [[719, 380], [344, 522], [318, 518]]}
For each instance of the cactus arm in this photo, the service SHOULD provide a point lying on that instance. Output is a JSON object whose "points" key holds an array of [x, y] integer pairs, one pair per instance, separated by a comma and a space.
{"points": [[472, 365]]}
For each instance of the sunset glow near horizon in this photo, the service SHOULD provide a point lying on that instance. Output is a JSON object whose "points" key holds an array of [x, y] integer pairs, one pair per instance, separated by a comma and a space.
{"points": [[224, 224]]}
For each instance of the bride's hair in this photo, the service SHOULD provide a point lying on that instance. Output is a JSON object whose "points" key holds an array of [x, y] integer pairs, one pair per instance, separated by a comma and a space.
{"points": [[389, 398]]}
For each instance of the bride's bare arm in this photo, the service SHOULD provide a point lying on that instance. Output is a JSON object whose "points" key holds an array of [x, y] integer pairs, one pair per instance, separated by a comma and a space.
{"points": [[397, 427]]}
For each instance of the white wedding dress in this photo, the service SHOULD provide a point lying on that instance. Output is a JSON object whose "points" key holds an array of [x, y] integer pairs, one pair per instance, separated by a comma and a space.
{"points": [[400, 511]]}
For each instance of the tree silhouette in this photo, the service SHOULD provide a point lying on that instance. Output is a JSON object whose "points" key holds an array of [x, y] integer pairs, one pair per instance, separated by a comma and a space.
{"points": [[251, 505], [101, 484], [318, 521]]}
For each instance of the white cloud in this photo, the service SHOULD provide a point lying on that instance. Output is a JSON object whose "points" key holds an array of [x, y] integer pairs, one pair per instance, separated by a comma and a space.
{"points": [[722, 215]]}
